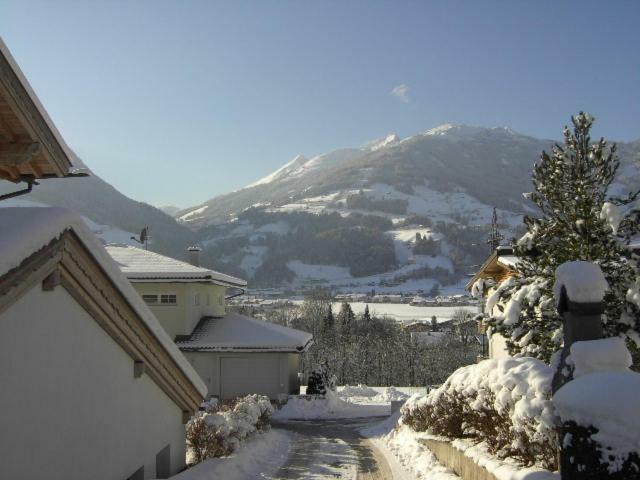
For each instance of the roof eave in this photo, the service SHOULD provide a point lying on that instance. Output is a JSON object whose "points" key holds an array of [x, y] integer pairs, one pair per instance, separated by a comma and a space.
{"points": [[33, 115]]}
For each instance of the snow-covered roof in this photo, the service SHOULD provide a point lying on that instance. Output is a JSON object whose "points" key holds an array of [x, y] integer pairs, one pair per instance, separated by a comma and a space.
{"points": [[28, 230], [235, 332], [138, 264], [508, 260]]}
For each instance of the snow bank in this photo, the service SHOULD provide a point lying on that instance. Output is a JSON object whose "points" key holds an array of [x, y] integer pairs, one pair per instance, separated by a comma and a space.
{"points": [[600, 356], [260, 457], [403, 446], [505, 402], [583, 281], [608, 402], [357, 391], [390, 394], [327, 407]]}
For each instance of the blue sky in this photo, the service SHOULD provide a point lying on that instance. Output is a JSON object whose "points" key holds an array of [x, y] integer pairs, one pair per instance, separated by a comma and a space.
{"points": [[174, 102]]}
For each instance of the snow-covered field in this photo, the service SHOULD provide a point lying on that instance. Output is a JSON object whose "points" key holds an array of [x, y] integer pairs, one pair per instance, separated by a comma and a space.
{"points": [[405, 313]]}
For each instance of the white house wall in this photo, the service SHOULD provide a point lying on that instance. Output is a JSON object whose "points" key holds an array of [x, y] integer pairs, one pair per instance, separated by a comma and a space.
{"points": [[181, 318], [207, 364], [70, 406]]}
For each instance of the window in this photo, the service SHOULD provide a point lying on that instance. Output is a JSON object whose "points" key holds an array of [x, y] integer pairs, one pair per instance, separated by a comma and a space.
{"points": [[150, 299], [220, 302], [208, 299], [196, 299], [168, 299]]}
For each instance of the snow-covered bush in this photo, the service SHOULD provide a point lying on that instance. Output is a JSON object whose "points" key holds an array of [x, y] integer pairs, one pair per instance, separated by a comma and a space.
{"points": [[220, 427], [504, 403]]}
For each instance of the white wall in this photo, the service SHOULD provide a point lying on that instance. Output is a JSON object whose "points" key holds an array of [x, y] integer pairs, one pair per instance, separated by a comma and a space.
{"points": [[181, 318], [70, 407], [498, 347]]}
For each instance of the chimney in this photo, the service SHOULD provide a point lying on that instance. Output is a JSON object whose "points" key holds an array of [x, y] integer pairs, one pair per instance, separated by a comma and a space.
{"points": [[194, 255]]}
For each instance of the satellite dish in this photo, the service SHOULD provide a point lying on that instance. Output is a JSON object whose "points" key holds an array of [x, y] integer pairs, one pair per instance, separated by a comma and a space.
{"points": [[144, 237]]}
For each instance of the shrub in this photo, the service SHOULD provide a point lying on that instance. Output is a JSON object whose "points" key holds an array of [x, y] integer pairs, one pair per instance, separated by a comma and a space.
{"points": [[505, 403], [220, 427]]}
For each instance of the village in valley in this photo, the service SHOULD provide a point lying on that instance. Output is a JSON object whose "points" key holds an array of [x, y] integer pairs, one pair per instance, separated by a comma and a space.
{"points": [[351, 316]]}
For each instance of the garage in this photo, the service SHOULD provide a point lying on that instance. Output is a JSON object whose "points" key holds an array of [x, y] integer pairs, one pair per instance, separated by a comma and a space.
{"points": [[236, 355], [243, 375]]}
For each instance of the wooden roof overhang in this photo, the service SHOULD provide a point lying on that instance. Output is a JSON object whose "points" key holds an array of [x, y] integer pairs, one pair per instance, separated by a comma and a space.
{"points": [[491, 268], [31, 147]]}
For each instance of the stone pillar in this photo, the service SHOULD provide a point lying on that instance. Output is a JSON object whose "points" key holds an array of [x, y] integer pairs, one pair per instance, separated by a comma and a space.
{"points": [[581, 321]]}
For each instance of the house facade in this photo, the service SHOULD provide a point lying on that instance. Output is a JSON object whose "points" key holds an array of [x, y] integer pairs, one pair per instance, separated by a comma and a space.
{"points": [[500, 265], [92, 386], [235, 355]]}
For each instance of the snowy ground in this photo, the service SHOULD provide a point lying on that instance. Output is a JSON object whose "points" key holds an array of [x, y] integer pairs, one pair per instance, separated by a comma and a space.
{"points": [[332, 407], [401, 447], [260, 457]]}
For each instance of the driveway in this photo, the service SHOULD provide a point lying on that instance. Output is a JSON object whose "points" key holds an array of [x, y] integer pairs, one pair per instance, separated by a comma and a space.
{"points": [[330, 449]]}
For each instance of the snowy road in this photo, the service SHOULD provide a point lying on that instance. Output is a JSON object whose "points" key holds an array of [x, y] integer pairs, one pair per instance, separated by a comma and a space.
{"points": [[326, 449]]}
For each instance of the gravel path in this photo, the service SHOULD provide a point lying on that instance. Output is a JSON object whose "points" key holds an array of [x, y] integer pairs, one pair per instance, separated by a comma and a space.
{"points": [[330, 449]]}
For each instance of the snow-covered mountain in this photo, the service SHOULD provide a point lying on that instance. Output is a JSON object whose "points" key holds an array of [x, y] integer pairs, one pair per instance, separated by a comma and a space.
{"points": [[441, 184], [487, 166]]}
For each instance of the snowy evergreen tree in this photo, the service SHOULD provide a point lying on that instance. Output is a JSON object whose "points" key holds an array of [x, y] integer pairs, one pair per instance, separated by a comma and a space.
{"points": [[577, 222], [346, 318], [366, 316]]}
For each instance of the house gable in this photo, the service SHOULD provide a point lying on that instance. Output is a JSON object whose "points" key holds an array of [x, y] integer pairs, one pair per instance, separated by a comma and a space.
{"points": [[66, 263]]}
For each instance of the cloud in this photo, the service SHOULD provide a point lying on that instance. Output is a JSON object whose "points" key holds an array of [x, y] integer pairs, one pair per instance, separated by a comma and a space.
{"points": [[401, 92]]}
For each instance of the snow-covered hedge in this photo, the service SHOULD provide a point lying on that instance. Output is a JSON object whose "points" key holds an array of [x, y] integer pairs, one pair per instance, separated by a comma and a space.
{"points": [[504, 403], [219, 429]]}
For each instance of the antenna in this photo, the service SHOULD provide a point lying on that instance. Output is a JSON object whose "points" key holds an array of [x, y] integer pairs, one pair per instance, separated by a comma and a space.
{"points": [[495, 237], [144, 238]]}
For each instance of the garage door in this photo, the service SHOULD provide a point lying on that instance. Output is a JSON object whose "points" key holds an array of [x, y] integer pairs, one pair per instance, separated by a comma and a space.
{"points": [[243, 375]]}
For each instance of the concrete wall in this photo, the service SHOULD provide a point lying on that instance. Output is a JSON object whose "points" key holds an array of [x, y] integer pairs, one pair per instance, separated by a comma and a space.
{"points": [[180, 319], [456, 460], [70, 406], [207, 364]]}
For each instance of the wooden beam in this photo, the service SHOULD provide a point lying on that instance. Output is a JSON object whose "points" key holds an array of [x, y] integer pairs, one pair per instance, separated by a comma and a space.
{"points": [[18, 153], [51, 281], [6, 132]]}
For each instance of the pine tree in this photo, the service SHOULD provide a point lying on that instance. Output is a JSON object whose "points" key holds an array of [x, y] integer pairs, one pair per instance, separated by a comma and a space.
{"points": [[346, 318], [570, 190], [329, 321], [366, 316]]}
